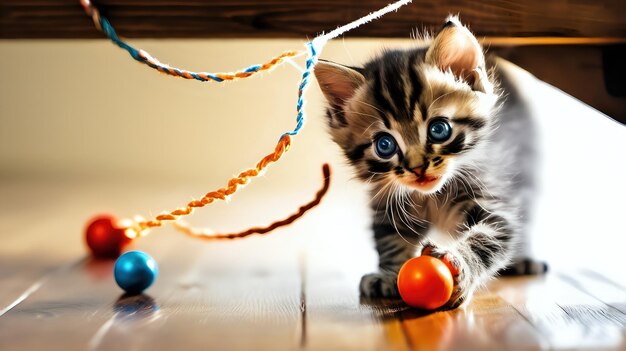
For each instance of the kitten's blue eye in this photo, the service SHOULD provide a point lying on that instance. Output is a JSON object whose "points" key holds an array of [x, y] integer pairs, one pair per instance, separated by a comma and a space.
{"points": [[386, 146], [439, 131]]}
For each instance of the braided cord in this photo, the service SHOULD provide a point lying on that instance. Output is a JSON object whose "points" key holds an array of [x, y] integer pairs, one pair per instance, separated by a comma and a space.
{"points": [[207, 235], [311, 61], [140, 228], [142, 56]]}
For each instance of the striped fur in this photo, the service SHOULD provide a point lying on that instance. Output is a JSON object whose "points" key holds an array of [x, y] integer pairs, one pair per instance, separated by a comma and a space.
{"points": [[462, 189]]}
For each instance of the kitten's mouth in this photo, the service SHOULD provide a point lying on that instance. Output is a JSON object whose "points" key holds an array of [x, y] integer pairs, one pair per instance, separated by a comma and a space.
{"points": [[425, 183]]}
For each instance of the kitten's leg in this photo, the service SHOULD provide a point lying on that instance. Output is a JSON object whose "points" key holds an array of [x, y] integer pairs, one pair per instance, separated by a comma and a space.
{"points": [[393, 250], [485, 247], [517, 128]]}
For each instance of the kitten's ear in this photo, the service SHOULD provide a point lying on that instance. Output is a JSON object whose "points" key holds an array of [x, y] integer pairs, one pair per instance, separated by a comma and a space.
{"points": [[338, 83], [456, 49]]}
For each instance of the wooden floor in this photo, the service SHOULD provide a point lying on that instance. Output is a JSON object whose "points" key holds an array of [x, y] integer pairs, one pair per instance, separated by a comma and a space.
{"points": [[292, 290]]}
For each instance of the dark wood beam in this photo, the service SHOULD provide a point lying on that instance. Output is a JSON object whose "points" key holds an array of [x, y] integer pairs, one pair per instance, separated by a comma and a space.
{"points": [[306, 18]]}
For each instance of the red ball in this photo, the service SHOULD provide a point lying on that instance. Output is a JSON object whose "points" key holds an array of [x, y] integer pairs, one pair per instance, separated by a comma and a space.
{"points": [[104, 239], [425, 282]]}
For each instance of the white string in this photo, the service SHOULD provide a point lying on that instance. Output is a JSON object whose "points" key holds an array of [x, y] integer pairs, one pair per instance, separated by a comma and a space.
{"points": [[294, 64], [321, 40]]}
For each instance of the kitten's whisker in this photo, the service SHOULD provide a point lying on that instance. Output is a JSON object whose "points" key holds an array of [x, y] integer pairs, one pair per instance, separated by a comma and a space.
{"points": [[410, 198], [479, 183], [447, 197], [406, 198], [377, 173], [368, 181], [395, 192], [365, 114], [437, 99], [387, 212], [430, 88], [381, 190], [343, 42], [370, 105], [410, 219], [368, 128], [462, 179]]}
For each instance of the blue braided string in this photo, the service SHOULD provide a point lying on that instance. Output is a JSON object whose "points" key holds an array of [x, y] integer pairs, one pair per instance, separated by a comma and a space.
{"points": [[311, 61], [108, 30]]}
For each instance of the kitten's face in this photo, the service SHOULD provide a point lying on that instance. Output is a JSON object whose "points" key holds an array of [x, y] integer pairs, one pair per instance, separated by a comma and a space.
{"points": [[412, 117]]}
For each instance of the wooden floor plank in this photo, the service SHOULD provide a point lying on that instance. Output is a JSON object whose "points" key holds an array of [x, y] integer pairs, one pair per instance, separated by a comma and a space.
{"points": [[234, 297], [72, 305], [22, 282], [567, 317], [136, 319], [614, 281], [23, 264], [337, 319], [486, 323], [63, 314], [593, 285], [611, 301], [43, 235]]}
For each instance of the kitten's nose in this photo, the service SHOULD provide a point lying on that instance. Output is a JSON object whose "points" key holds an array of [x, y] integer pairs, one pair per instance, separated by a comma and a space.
{"points": [[419, 171]]}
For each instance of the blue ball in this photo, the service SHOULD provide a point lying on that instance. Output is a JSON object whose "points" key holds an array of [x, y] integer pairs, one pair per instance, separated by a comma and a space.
{"points": [[135, 271]]}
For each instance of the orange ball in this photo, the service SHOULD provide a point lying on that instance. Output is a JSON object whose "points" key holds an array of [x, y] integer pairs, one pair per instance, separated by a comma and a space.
{"points": [[425, 282]]}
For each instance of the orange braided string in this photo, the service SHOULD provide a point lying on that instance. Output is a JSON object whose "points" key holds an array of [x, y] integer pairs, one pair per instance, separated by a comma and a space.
{"points": [[139, 228], [275, 61], [224, 76], [207, 235]]}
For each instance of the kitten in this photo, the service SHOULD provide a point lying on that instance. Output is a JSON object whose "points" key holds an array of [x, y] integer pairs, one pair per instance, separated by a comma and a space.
{"points": [[424, 128]]}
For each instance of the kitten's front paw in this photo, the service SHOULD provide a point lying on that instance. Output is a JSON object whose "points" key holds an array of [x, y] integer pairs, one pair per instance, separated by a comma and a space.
{"points": [[379, 285], [459, 275]]}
